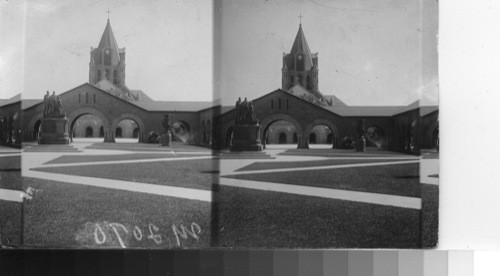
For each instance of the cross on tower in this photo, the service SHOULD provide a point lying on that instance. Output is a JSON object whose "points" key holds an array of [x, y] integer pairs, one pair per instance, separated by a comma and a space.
{"points": [[300, 18], [108, 12]]}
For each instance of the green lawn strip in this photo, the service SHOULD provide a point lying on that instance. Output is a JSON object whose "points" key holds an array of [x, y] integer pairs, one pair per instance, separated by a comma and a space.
{"points": [[430, 215], [342, 153], [10, 162], [117, 157], [11, 180], [10, 223], [400, 179], [65, 215], [252, 218], [148, 147], [183, 173], [301, 164]]}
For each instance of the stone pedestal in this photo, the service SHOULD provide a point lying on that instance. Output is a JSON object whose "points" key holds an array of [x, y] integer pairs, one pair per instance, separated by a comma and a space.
{"points": [[165, 139], [54, 131], [246, 138], [360, 144]]}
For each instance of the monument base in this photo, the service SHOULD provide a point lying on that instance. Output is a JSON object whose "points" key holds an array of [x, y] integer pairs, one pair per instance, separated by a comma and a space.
{"points": [[246, 138], [360, 144], [54, 131], [165, 139]]}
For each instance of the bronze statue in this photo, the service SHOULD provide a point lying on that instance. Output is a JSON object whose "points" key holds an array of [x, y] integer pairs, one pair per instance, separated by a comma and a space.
{"points": [[46, 102], [361, 128]]}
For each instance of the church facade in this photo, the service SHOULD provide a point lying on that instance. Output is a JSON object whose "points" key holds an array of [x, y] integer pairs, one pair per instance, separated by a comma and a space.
{"points": [[298, 113]]}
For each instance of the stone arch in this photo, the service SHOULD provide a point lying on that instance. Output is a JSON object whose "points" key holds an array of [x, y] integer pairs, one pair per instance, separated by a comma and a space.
{"points": [[269, 120], [430, 133], [328, 123], [32, 123], [73, 116], [133, 117]]}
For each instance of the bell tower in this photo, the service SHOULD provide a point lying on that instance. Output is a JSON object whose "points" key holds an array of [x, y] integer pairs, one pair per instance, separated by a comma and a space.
{"points": [[107, 61], [300, 66]]}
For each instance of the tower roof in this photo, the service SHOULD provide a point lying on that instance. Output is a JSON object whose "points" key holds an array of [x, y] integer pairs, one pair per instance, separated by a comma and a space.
{"points": [[108, 41], [300, 44]]}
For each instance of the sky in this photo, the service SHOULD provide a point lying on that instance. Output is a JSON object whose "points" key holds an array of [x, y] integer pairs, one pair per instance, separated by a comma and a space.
{"points": [[168, 45], [370, 52]]}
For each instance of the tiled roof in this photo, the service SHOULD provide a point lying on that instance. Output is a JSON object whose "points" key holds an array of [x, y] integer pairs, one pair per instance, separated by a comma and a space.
{"points": [[12, 100]]}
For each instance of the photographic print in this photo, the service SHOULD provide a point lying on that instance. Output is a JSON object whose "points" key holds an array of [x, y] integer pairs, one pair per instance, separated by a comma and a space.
{"points": [[233, 124], [323, 146]]}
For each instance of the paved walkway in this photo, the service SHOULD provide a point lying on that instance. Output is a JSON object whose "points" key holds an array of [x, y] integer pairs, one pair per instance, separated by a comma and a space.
{"points": [[227, 167]]}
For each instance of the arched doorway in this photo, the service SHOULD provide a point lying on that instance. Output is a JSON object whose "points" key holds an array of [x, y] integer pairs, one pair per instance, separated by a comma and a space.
{"points": [[312, 138], [89, 132], [82, 127], [282, 138], [127, 131], [36, 130], [277, 133], [229, 136], [322, 134], [119, 132]]}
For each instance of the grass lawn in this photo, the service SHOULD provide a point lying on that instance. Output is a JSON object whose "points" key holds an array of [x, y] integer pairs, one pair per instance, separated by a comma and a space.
{"points": [[252, 218], [10, 223], [116, 157], [370, 152], [175, 146], [196, 174], [430, 215], [400, 179], [11, 180], [9, 163], [67, 215], [301, 164]]}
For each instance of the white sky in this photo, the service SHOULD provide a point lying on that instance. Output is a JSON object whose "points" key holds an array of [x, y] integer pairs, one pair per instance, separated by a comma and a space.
{"points": [[168, 45], [371, 52]]}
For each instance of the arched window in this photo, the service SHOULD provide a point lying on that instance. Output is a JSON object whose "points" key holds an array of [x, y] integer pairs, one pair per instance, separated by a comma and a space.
{"points": [[118, 132], [308, 82], [107, 74], [312, 138], [98, 75], [115, 77], [300, 62], [107, 57], [282, 138], [291, 81], [89, 132]]}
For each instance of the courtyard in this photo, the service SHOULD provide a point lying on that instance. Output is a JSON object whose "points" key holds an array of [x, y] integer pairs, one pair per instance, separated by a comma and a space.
{"points": [[328, 198], [132, 195]]}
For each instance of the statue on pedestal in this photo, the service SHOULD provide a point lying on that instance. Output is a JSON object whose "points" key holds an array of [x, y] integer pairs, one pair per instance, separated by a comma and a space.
{"points": [[246, 134], [54, 129], [360, 130], [166, 137]]}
